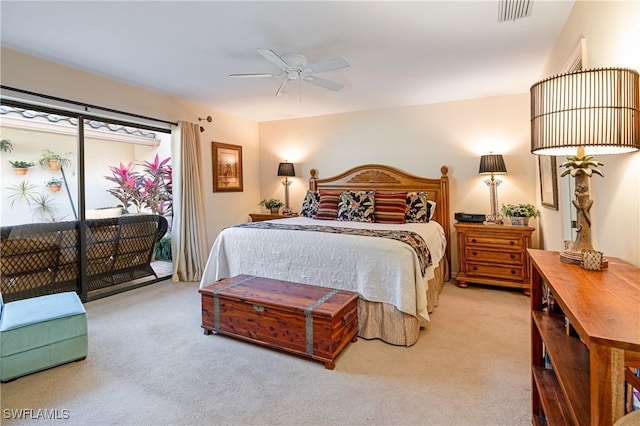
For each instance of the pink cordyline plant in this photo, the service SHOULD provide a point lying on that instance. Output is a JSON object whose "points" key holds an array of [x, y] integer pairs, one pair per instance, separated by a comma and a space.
{"points": [[127, 191], [150, 189], [156, 192]]}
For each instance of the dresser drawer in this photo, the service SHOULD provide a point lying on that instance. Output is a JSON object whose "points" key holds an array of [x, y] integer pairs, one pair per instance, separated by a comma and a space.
{"points": [[502, 240], [474, 254], [512, 272], [493, 255]]}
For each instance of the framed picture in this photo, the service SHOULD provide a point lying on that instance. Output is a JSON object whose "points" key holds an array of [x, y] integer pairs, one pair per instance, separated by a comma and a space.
{"points": [[548, 181], [227, 167]]}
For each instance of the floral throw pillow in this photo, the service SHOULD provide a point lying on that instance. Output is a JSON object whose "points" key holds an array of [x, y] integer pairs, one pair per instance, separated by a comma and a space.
{"points": [[356, 206], [417, 211], [310, 204], [328, 206]]}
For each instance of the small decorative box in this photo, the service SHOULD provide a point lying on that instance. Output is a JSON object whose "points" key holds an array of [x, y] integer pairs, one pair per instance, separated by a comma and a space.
{"points": [[592, 260]]}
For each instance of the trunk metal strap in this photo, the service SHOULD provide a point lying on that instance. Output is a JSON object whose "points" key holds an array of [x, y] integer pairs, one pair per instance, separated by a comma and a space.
{"points": [[216, 300], [308, 313]]}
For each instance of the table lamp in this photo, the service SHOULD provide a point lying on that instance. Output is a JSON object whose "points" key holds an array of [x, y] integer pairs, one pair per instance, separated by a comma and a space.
{"points": [[286, 169], [580, 114], [493, 164]]}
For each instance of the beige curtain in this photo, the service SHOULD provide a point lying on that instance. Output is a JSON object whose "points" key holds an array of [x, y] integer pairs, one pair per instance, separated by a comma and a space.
{"points": [[188, 237]]}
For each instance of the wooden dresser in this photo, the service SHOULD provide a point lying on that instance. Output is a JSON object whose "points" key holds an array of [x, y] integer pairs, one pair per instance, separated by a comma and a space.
{"points": [[259, 217], [578, 378], [493, 254]]}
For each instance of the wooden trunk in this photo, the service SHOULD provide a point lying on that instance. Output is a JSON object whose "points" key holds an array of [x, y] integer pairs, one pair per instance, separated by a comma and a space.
{"points": [[311, 321]]}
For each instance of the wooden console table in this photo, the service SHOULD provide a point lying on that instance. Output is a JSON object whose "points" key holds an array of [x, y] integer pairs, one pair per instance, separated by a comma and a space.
{"points": [[585, 385]]}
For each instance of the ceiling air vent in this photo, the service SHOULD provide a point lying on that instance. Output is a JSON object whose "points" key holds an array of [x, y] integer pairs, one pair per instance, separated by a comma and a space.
{"points": [[510, 10]]}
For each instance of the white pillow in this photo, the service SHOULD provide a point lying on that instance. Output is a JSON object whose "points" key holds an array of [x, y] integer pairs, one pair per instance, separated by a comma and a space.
{"points": [[103, 213], [432, 208]]}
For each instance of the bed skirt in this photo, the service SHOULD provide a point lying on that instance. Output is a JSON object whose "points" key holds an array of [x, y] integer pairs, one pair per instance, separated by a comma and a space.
{"points": [[383, 321]]}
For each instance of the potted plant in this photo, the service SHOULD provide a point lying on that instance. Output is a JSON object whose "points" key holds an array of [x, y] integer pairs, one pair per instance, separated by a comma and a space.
{"points": [[54, 161], [54, 184], [22, 193], [21, 167], [6, 145], [150, 189], [272, 204], [519, 214]]}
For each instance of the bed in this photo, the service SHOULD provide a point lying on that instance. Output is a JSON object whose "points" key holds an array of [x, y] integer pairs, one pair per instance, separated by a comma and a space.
{"points": [[398, 286]]}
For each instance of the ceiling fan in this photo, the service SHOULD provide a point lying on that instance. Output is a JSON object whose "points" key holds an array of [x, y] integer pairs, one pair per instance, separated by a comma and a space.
{"points": [[295, 67]]}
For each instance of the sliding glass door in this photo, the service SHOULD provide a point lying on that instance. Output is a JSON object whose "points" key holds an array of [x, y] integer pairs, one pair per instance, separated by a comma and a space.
{"points": [[75, 194]]}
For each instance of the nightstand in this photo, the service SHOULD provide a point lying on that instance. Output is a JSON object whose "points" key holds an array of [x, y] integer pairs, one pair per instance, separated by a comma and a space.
{"points": [[259, 217], [494, 255]]}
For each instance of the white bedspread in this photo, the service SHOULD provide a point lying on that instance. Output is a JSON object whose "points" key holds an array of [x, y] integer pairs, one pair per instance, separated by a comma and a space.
{"points": [[379, 269]]}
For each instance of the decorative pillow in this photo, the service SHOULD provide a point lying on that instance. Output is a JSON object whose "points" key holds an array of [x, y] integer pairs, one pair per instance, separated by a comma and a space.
{"points": [[390, 207], [103, 213], [310, 204], [328, 206], [356, 206], [431, 208], [417, 207]]}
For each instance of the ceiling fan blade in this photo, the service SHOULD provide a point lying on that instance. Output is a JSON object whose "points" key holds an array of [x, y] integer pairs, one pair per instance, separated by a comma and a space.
{"points": [[272, 57], [253, 75], [328, 65], [323, 82], [281, 88]]}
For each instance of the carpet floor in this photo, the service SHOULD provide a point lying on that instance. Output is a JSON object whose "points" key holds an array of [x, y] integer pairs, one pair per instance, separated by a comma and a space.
{"points": [[149, 363]]}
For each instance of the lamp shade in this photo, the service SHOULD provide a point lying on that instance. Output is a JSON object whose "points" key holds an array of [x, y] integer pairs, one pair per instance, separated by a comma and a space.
{"points": [[597, 109], [286, 169], [492, 163]]}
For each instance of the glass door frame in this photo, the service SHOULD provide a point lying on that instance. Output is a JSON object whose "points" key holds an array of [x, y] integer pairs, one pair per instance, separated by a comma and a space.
{"points": [[82, 287]]}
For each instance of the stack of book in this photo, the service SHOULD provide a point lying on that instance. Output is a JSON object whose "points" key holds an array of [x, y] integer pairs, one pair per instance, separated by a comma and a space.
{"points": [[632, 389]]}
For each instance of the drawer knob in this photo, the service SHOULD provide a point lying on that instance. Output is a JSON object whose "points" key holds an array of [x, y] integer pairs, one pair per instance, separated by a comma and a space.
{"points": [[475, 253], [513, 256], [473, 240], [475, 268], [513, 272], [512, 243]]}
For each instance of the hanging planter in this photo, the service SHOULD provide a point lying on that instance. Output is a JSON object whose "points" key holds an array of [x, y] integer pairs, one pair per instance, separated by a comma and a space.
{"points": [[54, 164], [54, 161], [54, 184], [21, 167], [6, 145]]}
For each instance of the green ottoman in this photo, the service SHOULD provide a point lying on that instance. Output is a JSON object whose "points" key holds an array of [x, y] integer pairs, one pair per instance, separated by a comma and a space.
{"points": [[40, 333]]}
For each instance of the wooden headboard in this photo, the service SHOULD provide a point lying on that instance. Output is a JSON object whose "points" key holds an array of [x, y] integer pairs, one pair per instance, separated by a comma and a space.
{"points": [[385, 178]]}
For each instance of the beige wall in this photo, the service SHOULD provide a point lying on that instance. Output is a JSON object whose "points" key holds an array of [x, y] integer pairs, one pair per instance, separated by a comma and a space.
{"points": [[415, 139], [420, 139], [29, 73], [612, 33]]}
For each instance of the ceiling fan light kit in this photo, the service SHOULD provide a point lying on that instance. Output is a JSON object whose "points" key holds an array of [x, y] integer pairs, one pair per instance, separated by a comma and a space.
{"points": [[294, 66]]}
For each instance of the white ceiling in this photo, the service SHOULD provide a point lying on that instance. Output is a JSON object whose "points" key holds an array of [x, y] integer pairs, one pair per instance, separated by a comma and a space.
{"points": [[401, 53]]}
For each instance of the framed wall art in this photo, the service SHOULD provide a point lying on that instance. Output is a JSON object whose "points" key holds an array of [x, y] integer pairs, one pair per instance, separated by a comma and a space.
{"points": [[548, 181], [227, 167]]}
